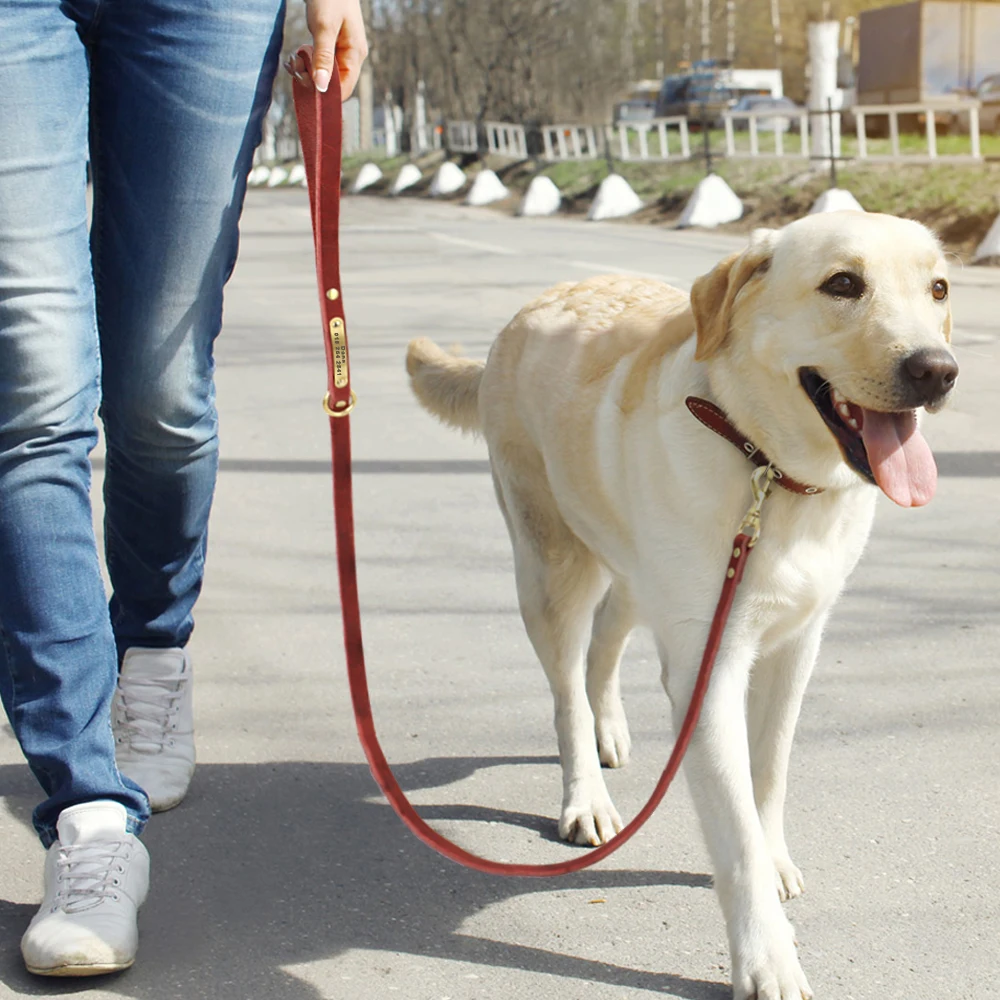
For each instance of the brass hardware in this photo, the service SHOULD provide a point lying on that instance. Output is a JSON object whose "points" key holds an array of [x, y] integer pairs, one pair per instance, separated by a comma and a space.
{"points": [[760, 483], [340, 408], [730, 573], [332, 294], [338, 340]]}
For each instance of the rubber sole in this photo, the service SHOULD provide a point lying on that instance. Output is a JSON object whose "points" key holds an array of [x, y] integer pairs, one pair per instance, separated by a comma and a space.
{"points": [[66, 971]]}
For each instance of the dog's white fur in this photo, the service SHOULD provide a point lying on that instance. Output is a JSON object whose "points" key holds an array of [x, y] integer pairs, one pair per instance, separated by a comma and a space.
{"points": [[621, 508]]}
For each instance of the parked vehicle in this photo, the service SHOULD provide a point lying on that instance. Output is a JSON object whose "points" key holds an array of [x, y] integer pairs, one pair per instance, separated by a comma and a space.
{"points": [[640, 104], [989, 100], [928, 52], [779, 123], [709, 88]]}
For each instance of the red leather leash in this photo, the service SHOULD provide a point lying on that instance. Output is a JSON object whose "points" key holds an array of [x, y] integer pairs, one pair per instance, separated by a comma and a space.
{"points": [[320, 125]]}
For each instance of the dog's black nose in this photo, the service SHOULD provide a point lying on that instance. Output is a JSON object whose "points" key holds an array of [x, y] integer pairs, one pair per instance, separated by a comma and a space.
{"points": [[929, 374]]}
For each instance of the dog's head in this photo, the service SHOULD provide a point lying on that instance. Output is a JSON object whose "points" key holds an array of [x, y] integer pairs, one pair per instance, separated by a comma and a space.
{"points": [[837, 330]]}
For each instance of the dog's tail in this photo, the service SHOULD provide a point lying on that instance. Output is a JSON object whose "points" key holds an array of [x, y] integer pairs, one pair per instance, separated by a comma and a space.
{"points": [[447, 386]]}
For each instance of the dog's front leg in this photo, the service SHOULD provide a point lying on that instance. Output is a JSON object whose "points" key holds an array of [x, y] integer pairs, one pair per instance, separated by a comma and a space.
{"points": [[776, 688], [765, 963]]}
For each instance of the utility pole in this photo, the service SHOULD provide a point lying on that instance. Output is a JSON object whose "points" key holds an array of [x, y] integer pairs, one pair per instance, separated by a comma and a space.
{"points": [[366, 87]]}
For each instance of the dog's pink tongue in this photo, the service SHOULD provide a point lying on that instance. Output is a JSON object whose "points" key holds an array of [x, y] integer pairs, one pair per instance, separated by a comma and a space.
{"points": [[900, 457]]}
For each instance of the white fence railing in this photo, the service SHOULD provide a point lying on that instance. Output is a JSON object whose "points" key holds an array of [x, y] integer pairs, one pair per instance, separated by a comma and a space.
{"points": [[780, 129], [461, 137], [631, 140], [863, 113], [570, 142], [504, 139], [768, 122]]}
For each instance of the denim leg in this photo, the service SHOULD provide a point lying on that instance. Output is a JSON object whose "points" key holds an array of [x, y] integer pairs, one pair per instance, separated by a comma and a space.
{"points": [[179, 89], [57, 654]]}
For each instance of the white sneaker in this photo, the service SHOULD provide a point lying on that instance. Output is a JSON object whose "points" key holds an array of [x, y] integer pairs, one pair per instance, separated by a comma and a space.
{"points": [[96, 878], [154, 725]]}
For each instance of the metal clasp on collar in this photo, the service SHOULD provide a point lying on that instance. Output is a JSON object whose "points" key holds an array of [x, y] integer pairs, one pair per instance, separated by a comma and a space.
{"points": [[760, 483]]}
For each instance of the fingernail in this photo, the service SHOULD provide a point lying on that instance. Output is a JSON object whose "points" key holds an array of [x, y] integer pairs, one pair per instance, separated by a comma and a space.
{"points": [[322, 80]]}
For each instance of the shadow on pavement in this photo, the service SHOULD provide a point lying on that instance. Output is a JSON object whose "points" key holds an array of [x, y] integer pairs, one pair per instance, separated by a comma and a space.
{"points": [[278, 864]]}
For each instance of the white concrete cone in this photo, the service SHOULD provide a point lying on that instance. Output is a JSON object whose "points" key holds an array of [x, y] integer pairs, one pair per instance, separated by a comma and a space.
{"points": [[988, 252], [448, 179], [259, 175], [297, 174], [409, 174], [712, 203], [486, 189], [614, 199], [368, 175], [278, 176], [541, 198], [836, 200]]}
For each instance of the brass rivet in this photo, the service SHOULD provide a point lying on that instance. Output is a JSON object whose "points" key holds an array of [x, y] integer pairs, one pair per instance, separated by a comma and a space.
{"points": [[736, 553], [730, 573], [332, 294]]}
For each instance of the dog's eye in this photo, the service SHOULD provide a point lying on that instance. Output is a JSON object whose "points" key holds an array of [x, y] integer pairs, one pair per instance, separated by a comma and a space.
{"points": [[940, 290], [844, 285]]}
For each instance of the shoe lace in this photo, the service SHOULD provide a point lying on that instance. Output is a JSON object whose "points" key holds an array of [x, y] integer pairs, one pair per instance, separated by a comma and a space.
{"points": [[89, 873], [148, 708]]}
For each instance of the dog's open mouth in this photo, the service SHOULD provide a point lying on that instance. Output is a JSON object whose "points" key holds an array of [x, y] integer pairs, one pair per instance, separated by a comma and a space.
{"points": [[886, 449]]}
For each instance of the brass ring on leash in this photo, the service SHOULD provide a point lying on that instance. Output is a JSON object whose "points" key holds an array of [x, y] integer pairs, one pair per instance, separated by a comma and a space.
{"points": [[340, 408]]}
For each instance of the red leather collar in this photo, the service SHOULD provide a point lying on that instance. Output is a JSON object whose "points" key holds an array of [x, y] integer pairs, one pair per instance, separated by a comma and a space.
{"points": [[714, 419]]}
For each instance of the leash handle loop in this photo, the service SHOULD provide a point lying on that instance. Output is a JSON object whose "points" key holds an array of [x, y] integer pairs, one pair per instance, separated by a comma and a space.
{"points": [[320, 132]]}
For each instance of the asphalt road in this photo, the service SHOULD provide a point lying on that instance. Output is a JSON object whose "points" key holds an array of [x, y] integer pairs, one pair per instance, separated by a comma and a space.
{"points": [[284, 875]]}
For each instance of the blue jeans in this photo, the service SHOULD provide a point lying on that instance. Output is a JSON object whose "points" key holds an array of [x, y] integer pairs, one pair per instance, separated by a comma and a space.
{"points": [[165, 99]]}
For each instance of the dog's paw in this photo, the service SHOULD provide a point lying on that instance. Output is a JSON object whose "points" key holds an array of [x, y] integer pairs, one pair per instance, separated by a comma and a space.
{"points": [[788, 878], [589, 818], [614, 743], [766, 965]]}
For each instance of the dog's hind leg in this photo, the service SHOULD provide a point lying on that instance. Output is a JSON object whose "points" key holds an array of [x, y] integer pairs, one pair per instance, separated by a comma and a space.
{"points": [[559, 582], [613, 622], [777, 685]]}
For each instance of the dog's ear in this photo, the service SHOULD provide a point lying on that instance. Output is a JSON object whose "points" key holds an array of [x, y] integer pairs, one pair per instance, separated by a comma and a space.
{"points": [[714, 294]]}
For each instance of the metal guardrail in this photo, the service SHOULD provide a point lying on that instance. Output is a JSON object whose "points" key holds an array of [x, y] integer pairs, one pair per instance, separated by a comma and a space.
{"points": [[862, 113], [505, 139], [570, 142], [461, 137], [631, 140], [670, 138], [780, 124]]}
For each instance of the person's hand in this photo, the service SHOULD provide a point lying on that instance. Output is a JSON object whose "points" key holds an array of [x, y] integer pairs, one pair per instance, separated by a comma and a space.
{"points": [[339, 44]]}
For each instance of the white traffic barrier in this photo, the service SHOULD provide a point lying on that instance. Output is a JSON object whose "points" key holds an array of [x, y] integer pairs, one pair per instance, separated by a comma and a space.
{"points": [[835, 200], [988, 252], [297, 174], [712, 203], [614, 199], [409, 174], [259, 175], [448, 179], [279, 175], [368, 175], [486, 189], [541, 198]]}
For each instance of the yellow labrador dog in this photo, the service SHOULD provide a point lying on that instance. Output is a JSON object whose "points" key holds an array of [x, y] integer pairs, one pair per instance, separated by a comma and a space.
{"points": [[820, 342]]}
